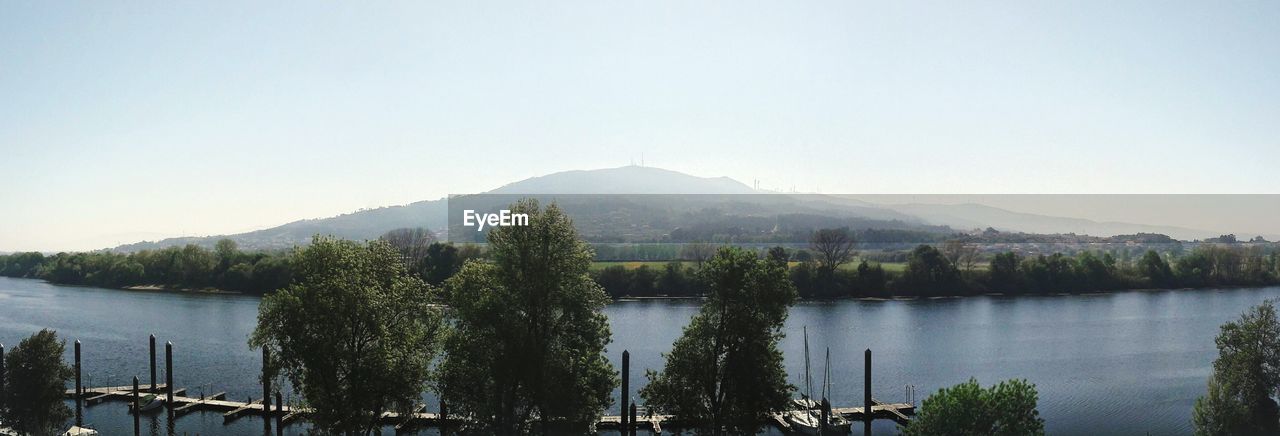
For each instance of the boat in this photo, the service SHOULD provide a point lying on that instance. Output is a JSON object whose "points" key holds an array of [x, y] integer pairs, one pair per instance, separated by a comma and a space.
{"points": [[76, 430], [807, 416], [150, 402], [803, 419]]}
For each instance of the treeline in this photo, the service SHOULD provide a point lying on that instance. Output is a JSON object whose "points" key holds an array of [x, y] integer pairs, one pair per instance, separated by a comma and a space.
{"points": [[226, 267], [188, 267], [931, 271], [949, 270]]}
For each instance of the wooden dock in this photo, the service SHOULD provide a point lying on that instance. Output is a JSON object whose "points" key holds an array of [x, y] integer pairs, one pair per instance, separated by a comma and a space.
{"points": [[232, 410]]}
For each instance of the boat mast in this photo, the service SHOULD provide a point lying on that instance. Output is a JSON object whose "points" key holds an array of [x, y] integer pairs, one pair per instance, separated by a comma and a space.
{"points": [[826, 377], [808, 380]]}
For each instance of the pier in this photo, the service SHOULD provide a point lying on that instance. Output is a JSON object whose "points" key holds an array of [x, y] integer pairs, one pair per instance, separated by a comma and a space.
{"points": [[634, 417]]}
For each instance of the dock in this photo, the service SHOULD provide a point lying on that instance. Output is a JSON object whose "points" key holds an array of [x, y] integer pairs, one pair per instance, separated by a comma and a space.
{"points": [[180, 404]]}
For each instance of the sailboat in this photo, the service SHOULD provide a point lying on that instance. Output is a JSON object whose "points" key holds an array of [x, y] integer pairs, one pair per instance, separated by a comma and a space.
{"points": [[836, 423], [803, 419], [807, 417]]}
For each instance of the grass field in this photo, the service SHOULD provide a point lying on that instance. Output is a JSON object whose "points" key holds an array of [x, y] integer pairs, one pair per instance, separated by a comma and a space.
{"points": [[659, 264]]}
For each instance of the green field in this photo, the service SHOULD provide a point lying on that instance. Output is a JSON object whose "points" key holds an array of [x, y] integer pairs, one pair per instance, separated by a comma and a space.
{"points": [[659, 264]]}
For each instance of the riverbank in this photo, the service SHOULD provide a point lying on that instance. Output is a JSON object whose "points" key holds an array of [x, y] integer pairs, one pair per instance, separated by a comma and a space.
{"points": [[159, 288]]}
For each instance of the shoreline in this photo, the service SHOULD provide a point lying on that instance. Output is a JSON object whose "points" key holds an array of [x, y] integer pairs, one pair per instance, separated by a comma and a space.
{"points": [[868, 298]]}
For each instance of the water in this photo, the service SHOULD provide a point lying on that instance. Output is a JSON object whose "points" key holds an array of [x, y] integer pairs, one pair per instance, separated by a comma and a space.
{"points": [[1123, 363]]}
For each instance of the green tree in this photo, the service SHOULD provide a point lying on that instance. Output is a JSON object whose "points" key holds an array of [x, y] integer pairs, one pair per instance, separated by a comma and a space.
{"points": [[1246, 375], [725, 371], [1155, 269], [967, 409], [1218, 413], [930, 272], [526, 349], [34, 385], [1003, 274], [355, 333]]}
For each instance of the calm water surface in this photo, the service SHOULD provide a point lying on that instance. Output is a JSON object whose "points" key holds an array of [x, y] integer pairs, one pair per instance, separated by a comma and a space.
{"points": [[1123, 363]]}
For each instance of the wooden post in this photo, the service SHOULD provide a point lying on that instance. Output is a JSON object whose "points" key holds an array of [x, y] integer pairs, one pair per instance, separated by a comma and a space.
{"points": [[279, 415], [168, 374], [866, 395], [631, 431], [2, 374], [444, 418], [626, 391], [153, 363], [79, 388], [137, 429], [266, 393]]}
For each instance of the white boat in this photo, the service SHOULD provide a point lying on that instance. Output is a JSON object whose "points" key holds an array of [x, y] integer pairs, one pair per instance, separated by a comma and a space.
{"points": [[803, 421], [150, 402], [79, 431], [807, 415]]}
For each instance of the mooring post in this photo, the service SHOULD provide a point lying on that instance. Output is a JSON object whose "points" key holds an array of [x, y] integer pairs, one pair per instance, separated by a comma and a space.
{"points": [[137, 429], [279, 415], [866, 395], [626, 391], [444, 417], [168, 374], [153, 363], [79, 387], [2, 376], [266, 393], [631, 431]]}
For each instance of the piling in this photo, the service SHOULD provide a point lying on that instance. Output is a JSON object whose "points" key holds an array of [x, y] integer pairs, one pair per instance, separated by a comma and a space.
{"points": [[266, 393], [137, 413], [444, 418], [153, 363], [168, 374], [631, 431], [2, 375], [79, 388], [866, 395], [626, 391], [279, 415]]}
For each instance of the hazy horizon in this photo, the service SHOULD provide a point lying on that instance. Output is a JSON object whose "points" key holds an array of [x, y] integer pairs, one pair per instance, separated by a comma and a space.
{"points": [[123, 120]]}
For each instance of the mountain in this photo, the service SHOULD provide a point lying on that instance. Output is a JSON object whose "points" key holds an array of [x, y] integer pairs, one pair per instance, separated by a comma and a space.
{"points": [[665, 211], [625, 180], [372, 223], [977, 216]]}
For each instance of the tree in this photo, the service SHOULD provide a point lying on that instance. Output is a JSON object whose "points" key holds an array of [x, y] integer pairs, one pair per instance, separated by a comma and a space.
{"points": [[929, 272], [440, 262], [36, 380], [698, 252], [355, 333], [967, 409], [1003, 274], [961, 254], [1218, 413], [725, 372], [226, 251], [833, 247], [411, 243], [1155, 269], [526, 349], [1246, 375]]}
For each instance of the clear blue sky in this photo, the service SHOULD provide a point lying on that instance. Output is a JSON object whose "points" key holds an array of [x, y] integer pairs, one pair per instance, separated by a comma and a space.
{"points": [[133, 120]]}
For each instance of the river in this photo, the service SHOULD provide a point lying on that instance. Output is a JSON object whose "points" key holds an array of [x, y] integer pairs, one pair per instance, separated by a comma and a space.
{"points": [[1119, 363]]}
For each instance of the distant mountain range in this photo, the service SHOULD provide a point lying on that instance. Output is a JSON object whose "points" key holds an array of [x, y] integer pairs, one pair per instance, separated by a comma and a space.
{"points": [[812, 208]]}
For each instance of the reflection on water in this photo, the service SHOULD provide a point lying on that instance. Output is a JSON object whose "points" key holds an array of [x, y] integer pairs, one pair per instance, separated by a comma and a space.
{"points": [[1124, 363]]}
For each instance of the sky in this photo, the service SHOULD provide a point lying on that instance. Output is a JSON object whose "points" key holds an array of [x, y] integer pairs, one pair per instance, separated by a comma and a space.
{"points": [[122, 121]]}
